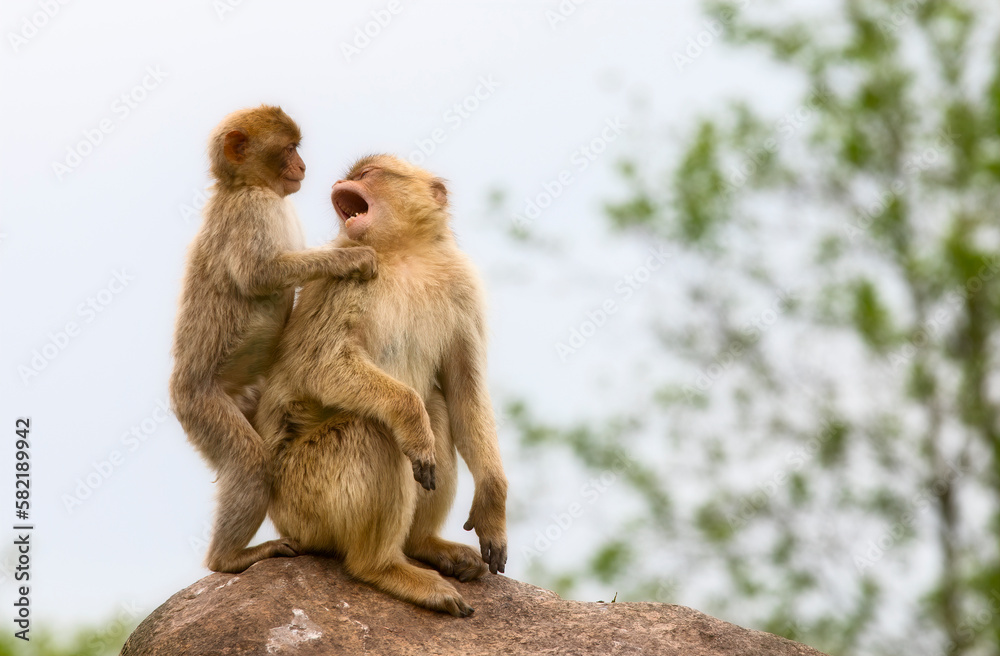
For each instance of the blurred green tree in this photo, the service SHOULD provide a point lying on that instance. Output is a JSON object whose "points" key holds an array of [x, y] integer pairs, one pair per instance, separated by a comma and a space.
{"points": [[842, 391], [97, 640]]}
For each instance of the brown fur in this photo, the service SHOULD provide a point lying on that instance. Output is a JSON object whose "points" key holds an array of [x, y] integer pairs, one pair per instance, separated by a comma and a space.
{"points": [[377, 383], [237, 296]]}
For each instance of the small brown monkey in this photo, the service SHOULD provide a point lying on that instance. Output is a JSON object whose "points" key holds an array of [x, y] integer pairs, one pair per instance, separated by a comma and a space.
{"points": [[376, 383], [242, 269]]}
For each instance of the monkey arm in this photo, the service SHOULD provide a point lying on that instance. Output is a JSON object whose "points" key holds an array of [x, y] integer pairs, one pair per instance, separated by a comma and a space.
{"points": [[347, 379], [473, 430], [265, 274]]}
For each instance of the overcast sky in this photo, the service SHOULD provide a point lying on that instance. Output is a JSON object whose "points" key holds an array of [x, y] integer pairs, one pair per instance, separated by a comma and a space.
{"points": [[106, 109]]}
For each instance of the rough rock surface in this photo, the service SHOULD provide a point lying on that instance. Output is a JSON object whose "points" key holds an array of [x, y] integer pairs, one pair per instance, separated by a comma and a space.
{"points": [[308, 605]]}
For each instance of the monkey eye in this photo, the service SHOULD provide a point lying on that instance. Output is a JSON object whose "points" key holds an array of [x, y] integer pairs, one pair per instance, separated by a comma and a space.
{"points": [[365, 172]]}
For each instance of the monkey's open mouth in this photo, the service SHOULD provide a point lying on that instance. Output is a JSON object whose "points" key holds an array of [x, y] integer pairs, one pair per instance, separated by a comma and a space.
{"points": [[349, 204]]}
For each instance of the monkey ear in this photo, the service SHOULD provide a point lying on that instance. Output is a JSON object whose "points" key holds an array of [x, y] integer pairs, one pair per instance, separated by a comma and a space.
{"points": [[235, 146], [439, 191]]}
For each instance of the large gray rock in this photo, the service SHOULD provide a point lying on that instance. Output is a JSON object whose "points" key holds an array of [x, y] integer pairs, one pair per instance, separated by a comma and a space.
{"points": [[308, 605]]}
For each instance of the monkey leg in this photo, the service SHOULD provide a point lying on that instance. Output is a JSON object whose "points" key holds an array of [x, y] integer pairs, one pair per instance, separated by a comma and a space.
{"points": [[241, 509], [423, 587], [346, 488], [352, 382], [432, 506], [217, 426]]}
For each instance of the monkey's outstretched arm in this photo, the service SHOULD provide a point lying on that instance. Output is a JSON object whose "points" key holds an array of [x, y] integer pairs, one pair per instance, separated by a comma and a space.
{"points": [[473, 430], [348, 380], [264, 274]]}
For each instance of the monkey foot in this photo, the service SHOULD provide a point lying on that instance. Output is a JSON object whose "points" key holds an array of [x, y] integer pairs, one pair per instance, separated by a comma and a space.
{"points": [[447, 600], [451, 559], [238, 561], [285, 547], [451, 603]]}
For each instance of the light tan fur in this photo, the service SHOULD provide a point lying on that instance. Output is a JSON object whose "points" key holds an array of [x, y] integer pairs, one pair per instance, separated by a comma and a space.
{"points": [[239, 286], [377, 383]]}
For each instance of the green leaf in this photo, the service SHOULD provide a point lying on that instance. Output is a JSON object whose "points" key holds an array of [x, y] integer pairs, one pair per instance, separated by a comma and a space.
{"points": [[870, 316], [611, 560]]}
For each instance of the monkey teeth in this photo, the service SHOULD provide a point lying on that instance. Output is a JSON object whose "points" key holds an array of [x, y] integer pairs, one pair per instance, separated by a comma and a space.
{"points": [[349, 204]]}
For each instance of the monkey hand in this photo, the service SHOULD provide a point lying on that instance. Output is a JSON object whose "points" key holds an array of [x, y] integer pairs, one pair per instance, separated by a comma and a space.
{"points": [[488, 518], [367, 262], [417, 442], [356, 262], [423, 471], [421, 455]]}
